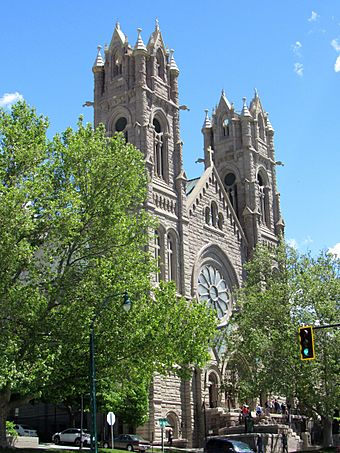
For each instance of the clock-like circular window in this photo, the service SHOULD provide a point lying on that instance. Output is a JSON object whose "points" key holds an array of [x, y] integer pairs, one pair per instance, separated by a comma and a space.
{"points": [[213, 289]]}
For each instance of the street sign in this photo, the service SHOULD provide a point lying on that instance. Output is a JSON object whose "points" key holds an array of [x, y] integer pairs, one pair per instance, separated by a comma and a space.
{"points": [[163, 422], [111, 418]]}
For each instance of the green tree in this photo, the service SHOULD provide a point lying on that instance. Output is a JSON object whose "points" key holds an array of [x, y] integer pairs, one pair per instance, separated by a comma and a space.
{"points": [[282, 291], [73, 233]]}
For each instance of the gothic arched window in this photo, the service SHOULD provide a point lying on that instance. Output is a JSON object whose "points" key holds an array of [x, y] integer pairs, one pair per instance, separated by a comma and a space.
{"points": [[116, 65], [226, 127], [207, 215], [171, 252], [120, 126], [157, 249], [261, 126], [159, 150], [231, 189], [213, 214], [263, 200], [160, 63]]}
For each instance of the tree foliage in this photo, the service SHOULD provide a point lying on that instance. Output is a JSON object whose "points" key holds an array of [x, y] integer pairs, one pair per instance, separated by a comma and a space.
{"points": [[74, 233], [284, 290]]}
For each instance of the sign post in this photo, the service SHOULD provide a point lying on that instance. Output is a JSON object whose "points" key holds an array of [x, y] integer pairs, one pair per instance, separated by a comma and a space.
{"points": [[163, 422], [111, 418]]}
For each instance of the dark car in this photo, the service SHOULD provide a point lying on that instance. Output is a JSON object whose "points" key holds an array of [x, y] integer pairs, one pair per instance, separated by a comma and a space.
{"points": [[225, 445], [130, 442]]}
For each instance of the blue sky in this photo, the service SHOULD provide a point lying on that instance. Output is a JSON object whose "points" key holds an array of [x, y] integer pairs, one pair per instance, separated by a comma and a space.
{"points": [[288, 49]]}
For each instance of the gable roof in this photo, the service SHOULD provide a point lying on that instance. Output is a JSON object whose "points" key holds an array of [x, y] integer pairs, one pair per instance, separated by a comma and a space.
{"points": [[196, 187]]}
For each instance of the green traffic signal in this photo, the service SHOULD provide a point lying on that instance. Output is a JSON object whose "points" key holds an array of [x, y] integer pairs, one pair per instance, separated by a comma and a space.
{"points": [[306, 337]]}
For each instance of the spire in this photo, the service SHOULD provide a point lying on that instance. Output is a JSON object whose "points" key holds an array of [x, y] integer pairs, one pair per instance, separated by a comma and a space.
{"points": [[156, 38], [245, 112], [207, 122], [118, 35], [139, 46], [173, 65], [99, 62], [224, 104]]}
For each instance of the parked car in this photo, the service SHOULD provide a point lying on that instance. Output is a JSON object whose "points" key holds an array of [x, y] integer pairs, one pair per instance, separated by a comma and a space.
{"points": [[225, 445], [24, 430], [71, 436], [130, 442]]}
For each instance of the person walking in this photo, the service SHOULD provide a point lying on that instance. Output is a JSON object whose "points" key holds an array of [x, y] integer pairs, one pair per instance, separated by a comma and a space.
{"points": [[170, 437], [284, 439], [259, 444]]}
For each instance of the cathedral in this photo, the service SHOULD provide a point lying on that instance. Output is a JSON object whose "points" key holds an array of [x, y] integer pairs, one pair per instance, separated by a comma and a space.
{"points": [[207, 226]]}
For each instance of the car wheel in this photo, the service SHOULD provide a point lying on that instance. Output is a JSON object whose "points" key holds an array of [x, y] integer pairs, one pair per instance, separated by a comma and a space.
{"points": [[57, 440], [129, 448], [105, 445], [77, 442]]}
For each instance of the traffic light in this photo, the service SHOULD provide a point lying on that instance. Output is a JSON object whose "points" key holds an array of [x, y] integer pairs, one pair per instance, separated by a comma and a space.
{"points": [[306, 337]]}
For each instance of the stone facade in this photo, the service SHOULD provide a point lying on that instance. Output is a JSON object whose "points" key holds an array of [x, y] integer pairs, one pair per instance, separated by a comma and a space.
{"points": [[208, 226]]}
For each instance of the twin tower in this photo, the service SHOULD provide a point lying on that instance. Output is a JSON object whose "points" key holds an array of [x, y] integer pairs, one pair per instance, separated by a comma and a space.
{"points": [[208, 226]]}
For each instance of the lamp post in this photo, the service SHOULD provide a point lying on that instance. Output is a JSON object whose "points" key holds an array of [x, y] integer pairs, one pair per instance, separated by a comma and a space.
{"points": [[126, 307]]}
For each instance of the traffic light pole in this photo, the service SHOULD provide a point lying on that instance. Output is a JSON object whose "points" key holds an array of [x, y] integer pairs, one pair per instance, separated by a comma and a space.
{"points": [[327, 326]]}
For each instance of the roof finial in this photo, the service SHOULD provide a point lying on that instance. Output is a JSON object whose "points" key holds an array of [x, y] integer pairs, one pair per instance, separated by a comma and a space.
{"points": [[207, 122], [117, 25], [99, 62], [173, 65], [223, 92], [256, 93], [156, 24], [245, 111], [140, 44]]}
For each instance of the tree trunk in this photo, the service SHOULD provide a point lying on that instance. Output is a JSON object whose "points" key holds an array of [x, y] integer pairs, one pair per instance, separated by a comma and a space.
{"points": [[327, 424], [4, 409]]}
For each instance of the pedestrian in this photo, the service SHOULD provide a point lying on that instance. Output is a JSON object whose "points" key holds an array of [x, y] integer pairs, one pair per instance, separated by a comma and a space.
{"points": [[284, 439], [277, 406], [170, 437], [259, 444], [258, 410]]}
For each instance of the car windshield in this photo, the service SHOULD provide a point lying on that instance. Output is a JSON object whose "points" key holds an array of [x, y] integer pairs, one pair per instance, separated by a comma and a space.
{"points": [[241, 446], [136, 437]]}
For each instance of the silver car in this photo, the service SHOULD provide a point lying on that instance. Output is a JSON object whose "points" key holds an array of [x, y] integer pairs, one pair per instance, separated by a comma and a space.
{"points": [[24, 430], [71, 436]]}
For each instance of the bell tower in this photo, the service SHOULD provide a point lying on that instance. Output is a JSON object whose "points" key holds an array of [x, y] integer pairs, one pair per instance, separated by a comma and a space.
{"points": [[244, 157], [136, 93]]}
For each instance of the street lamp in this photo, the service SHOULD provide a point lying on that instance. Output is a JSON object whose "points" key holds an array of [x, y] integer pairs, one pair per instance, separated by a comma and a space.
{"points": [[126, 307]]}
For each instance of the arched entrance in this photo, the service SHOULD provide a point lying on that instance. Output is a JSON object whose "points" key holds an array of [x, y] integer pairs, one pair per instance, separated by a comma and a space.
{"points": [[213, 390], [173, 424]]}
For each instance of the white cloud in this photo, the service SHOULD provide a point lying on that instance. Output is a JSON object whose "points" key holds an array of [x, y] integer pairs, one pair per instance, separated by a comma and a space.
{"points": [[292, 243], [335, 250], [10, 98], [298, 69], [296, 48], [314, 17], [336, 45], [337, 64]]}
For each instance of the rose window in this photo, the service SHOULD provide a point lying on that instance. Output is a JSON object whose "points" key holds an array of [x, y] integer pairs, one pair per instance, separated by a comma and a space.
{"points": [[213, 290]]}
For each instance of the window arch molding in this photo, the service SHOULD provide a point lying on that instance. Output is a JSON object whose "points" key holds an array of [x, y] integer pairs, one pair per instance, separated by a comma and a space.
{"points": [[214, 255], [226, 126], [231, 186], [160, 144], [120, 112], [160, 63], [116, 62], [263, 193]]}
